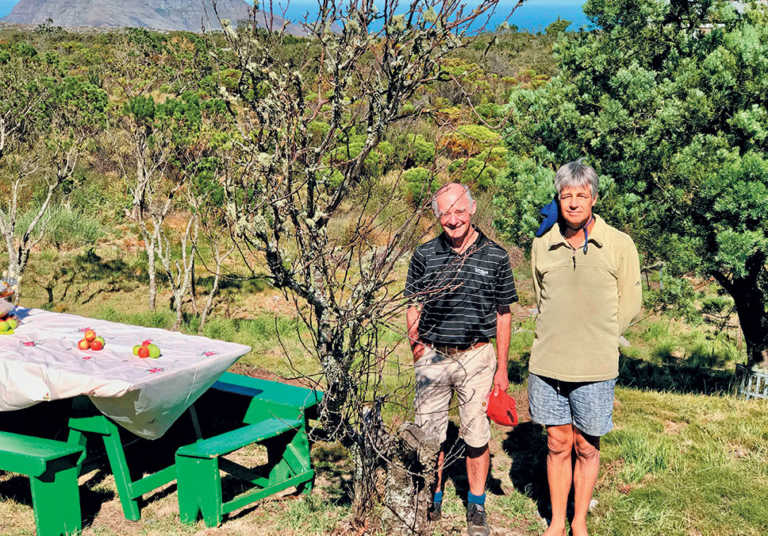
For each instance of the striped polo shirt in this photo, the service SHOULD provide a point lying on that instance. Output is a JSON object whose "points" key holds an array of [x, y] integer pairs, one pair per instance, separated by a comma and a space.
{"points": [[459, 293]]}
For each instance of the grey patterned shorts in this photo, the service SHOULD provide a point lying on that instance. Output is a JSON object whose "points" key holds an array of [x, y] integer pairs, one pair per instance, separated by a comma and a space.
{"points": [[586, 405]]}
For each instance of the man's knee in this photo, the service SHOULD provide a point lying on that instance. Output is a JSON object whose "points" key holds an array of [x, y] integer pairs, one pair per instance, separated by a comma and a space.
{"points": [[586, 446], [560, 440], [476, 452]]}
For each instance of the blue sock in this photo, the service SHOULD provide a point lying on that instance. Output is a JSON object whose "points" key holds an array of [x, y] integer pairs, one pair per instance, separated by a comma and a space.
{"points": [[476, 499], [438, 498]]}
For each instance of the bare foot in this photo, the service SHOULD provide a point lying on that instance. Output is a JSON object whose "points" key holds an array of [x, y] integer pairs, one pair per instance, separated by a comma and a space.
{"points": [[579, 528], [554, 530]]}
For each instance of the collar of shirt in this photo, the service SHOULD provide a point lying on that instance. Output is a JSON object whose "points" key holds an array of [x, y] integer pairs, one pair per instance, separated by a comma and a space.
{"points": [[444, 245], [554, 238]]}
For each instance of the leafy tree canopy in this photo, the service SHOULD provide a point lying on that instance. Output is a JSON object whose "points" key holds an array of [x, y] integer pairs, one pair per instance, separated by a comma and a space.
{"points": [[668, 101]]}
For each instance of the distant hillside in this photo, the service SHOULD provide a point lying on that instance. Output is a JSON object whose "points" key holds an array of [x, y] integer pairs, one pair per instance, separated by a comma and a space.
{"points": [[189, 15]]}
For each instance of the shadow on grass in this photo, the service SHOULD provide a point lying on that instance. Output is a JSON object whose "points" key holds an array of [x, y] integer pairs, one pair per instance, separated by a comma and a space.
{"points": [[526, 446], [674, 377], [455, 468], [74, 274], [517, 369]]}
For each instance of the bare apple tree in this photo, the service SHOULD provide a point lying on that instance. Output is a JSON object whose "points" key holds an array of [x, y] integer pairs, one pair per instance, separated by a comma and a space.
{"points": [[303, 201]]}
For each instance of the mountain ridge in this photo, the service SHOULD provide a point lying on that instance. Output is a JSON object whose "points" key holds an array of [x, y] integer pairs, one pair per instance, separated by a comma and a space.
{"points": [[191, 16]]}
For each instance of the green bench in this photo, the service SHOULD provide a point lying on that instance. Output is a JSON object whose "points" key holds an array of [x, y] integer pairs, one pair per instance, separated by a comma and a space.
{"points": [[275, 418], [52, 470]]}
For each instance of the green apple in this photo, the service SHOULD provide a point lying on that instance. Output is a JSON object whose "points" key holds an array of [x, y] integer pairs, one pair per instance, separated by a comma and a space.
{"points": [[12, 322], [154, 351], [4, 326], [136, 349]]}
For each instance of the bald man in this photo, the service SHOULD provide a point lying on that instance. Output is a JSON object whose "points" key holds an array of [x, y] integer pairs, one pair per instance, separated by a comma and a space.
{"points": [[461, 287]]}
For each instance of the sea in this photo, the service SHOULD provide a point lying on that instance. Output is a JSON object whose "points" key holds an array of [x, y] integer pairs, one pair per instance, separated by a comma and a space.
{"points": [[533, 16]]}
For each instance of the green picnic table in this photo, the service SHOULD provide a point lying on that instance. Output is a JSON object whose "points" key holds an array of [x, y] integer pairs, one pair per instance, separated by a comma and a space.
{"points": [[275, 416], [120, 399]]}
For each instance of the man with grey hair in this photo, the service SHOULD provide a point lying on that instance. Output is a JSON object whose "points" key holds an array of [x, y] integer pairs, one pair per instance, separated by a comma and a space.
{"points": [[586, 277], [461, 288]]}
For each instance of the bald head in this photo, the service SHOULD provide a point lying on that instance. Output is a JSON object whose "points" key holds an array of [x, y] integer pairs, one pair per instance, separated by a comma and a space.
{"points": [[453, 190]]}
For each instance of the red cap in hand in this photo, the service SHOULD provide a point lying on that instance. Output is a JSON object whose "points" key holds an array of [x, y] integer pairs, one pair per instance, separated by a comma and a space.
{"points": [[501, 408]]}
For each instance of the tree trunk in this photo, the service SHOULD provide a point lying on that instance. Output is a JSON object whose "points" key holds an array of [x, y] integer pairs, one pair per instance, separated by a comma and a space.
{"points": [[410, 478], [152, 277], [749, 295], [750, 305]]}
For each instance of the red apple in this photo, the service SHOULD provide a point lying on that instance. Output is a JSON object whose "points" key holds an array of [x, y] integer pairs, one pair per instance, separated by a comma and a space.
{"points": [[97, 344], [143, 352], [89, 335], [146, 343], [83, 344]]}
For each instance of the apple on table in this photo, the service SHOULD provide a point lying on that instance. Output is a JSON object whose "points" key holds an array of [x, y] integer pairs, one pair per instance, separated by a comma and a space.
{"points": [[147, 349]]}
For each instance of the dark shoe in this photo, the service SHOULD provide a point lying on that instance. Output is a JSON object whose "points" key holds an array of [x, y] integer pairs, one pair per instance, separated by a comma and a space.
{"points": [[435, 511], [476, 523]]}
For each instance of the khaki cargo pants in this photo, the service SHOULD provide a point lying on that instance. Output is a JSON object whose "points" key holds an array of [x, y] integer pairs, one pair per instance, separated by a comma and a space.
{"points": [[470, 375]]}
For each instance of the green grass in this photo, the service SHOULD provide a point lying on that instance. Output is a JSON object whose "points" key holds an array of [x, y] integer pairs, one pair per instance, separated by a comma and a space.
{"points": [[683, 463], [664, 340]]}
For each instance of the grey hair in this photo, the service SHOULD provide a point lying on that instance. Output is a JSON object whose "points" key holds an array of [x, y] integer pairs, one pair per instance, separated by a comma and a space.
{"points": [[576, 173], [444, 188]]}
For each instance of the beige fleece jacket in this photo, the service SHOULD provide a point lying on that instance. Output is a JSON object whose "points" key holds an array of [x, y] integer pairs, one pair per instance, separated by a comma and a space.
{"points": [[585, 301]]}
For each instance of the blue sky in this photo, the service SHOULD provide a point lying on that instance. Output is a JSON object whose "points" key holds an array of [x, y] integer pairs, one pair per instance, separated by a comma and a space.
{"points": [[5, 6], [534, 15]]}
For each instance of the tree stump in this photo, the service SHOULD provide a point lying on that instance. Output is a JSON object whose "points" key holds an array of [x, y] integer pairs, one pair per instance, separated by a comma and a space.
{"points": [[410, 477]]}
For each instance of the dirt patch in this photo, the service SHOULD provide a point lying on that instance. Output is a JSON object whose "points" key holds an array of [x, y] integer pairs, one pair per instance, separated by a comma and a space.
{"points": [[500, 526], [264, 374], [273, 302], [521, 401], [609, 473], [738, 451], [672, 427], [520, 312]]}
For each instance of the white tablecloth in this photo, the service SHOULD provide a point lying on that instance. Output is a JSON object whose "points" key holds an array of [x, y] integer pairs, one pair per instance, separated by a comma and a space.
{"points": [[41, 362]]}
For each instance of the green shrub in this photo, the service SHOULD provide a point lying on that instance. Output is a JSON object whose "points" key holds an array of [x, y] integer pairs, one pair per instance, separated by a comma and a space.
{"points": [[675, 296], [375, 163], [480, 134], [412, 150], [318, 129], [489, 110], [474, 172], [423, 151], [418, 184], [65, 227], [385, 148], [25, 50], [716, 305], [331, 177], [469, 140]]}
